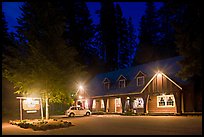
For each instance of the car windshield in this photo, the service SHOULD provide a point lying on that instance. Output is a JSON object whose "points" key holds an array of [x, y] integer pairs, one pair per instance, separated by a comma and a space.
{"points": [[80, 108], [73, 108]]}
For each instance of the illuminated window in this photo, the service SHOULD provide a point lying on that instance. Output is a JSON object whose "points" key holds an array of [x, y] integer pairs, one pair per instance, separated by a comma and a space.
{"points": [[118, 102], [140, 81], [102, 104], [138, 103], [165, 101], [94, 104], [161, 101], [170, 102]]}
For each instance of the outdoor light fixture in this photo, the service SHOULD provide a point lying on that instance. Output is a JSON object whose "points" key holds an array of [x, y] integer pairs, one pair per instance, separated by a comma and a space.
{"points": [[81, 87], [159, 74], [80, 97]]}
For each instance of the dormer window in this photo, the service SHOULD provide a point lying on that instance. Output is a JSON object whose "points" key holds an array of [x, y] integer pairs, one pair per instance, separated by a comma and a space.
{"points": [[106, 83], [122, 81], [140, 81], [140, 78]]}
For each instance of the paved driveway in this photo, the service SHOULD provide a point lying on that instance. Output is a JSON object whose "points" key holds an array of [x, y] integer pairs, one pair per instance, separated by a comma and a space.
{"points": [[119, 125]]}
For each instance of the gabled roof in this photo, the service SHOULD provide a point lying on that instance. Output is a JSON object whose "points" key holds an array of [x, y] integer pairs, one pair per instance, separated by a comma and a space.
{"points": [[120, 77], [169, 67], [162, 75], [140, 72], [106, 79]]}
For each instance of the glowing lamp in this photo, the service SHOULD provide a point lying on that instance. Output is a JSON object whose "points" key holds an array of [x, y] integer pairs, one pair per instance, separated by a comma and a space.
{"points": [[81, 87], [159, 74]]}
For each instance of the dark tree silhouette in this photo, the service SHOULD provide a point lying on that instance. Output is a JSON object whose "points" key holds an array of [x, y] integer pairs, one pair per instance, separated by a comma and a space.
{"points": [[188, 37], [147, 49], [109, 34]]}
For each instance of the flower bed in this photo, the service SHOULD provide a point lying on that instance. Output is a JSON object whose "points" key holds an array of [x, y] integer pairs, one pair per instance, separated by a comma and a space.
{"points": [[42, 124]]}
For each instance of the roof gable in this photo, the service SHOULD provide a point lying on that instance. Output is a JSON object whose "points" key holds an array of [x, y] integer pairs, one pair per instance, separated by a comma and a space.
{"points": [[106, 80], [160, 73], [121, 77], [139, 74]]}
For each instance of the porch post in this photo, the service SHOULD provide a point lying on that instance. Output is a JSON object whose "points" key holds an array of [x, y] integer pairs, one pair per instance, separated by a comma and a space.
{"points": [[123, 99], [145, 97], [131, 102], [90, 103], [105, 103], [146, 105]]}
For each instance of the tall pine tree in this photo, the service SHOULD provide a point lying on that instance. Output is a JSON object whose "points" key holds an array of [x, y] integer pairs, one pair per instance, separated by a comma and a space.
{"points": [[122, 33], [79, 30], [166, 42], [51, 68], [116, 37], [147, 49], [109, 34], [187, 24]]}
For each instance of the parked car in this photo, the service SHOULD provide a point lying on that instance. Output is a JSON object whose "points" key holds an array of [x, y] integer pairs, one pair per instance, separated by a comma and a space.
{"points": [[77, 111]]}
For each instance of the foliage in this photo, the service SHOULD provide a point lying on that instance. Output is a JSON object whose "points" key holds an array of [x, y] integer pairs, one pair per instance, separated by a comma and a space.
{"points": [[147, 49], [166, 42], [109, 34], [42, 124], [188, 38], [126, 39], [187, 25], [79, 30], [115, 37], [42, 64]]}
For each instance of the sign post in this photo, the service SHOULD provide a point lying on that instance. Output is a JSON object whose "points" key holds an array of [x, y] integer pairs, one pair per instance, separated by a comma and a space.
{"points": [[31, 105]]}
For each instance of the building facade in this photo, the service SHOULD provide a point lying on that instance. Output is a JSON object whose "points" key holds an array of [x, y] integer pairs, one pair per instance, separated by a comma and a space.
{"points": [[148, 88]]}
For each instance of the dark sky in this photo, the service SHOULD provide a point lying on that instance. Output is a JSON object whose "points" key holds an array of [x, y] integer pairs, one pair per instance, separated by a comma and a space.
{"points": [[130, 9]]}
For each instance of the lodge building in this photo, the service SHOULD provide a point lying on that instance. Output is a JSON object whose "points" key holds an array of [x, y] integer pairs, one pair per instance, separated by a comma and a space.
{"points": [[148, 88]]}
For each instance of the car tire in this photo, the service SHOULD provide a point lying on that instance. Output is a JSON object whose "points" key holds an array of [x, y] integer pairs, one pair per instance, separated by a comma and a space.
{"points": [[87, 113], [71, 114]]}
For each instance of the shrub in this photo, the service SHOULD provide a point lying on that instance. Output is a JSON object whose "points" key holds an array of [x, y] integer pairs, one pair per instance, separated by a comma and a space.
{"points": [[42, 125]]}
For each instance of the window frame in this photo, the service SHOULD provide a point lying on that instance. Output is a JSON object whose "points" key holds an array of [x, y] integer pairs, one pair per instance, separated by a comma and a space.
{"points": [[143, 81], [119, 83], [136, 102], [118, 102], [166, 97], [106, 85]]}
